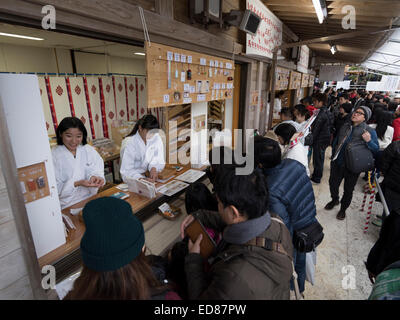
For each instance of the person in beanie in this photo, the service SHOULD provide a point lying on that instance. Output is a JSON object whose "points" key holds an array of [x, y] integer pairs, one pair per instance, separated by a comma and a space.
{"points": [[355, 132], [114, 264]]}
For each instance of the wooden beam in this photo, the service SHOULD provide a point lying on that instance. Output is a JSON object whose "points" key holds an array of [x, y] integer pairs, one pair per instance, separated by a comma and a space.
{"points": [[113, 13], [335, 37]]}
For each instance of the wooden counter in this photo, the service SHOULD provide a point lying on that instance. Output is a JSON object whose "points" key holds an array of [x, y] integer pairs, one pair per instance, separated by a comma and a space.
{"points": [[142, 207]]}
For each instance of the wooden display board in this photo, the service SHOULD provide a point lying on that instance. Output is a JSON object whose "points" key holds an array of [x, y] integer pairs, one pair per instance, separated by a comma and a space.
{"points": [[305, 79], [295, 80], [176, 76], [311, 81], [33, 181], [282, 79]]}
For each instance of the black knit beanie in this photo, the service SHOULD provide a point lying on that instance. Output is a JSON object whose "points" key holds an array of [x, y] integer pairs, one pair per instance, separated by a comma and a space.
{"points": [[113, 237]]}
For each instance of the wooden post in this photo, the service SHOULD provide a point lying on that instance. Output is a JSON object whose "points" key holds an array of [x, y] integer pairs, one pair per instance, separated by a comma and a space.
{"points": [[273, 70], [165, 8]]}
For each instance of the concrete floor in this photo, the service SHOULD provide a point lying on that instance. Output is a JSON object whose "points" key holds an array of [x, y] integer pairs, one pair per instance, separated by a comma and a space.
{"points": [[345, 244]]}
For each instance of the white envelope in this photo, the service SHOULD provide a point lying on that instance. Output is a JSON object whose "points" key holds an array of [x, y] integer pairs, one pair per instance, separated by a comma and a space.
{"points": [[142, 187]]}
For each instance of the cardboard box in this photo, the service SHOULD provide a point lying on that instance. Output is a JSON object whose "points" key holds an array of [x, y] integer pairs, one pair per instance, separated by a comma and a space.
{"points": [[119, 133]]}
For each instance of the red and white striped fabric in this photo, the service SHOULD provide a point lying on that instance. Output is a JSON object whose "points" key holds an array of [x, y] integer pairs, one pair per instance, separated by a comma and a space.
{"points": [[141, 96], [131, 89], [46, 106], [59, 94], [94, 96], [120, 97], [79, 100], [109, 102]]}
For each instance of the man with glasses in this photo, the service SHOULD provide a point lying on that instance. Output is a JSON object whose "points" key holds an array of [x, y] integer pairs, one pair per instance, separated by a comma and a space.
{"points": [[356, 131]]}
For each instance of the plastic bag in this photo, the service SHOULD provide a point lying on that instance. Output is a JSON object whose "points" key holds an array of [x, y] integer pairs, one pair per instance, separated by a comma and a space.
{"points": [[311, 261]]}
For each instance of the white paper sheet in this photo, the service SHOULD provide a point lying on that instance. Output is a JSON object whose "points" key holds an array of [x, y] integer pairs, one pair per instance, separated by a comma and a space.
{"points": [[191, 176], [172, 187]]}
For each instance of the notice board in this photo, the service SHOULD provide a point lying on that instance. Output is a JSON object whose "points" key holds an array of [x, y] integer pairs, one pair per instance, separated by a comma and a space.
{"points": [[176, 76], [295, 80]]}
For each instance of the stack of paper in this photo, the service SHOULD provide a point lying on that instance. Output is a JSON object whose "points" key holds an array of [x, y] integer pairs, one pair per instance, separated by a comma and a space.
{"points": [[172, 187], [191, 176]]}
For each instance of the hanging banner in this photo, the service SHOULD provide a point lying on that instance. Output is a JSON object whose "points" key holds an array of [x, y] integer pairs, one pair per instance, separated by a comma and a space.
{"points": [[331, 73], [79, 100], [302, 65], [269, 34], [46, 106], [343, 85]]}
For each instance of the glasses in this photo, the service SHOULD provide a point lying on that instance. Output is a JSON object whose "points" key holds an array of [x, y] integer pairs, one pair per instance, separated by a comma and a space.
{"points": [[360, 113]]}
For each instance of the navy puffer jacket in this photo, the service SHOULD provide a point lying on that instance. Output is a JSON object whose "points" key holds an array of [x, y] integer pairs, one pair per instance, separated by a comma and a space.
{"points": [[291, 195]]}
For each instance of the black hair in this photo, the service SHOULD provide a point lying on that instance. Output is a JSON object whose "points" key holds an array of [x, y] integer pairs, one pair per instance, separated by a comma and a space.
{"points": [[307, 99], [286, 131], [387, 100], [148, 122], [345, 96], [392, 106], [267, 152], [175, 271], [321, 97], [67, 123], [226, 157], [383, 120], [280, 93], [247, 193], [347, 107], [197, 197], [288, 112], [301, 108]]}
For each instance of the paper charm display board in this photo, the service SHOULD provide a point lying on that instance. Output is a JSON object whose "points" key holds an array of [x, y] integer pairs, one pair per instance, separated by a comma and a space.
{"points": [[33, 182], [95, 107], [120, 98], [176, 76], [295, 80], [109, 101]]}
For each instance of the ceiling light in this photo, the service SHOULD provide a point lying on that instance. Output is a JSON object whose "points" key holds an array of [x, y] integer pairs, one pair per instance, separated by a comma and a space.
{"points": [[320, 9], [333, 49], [140, 53], [19, 36]]}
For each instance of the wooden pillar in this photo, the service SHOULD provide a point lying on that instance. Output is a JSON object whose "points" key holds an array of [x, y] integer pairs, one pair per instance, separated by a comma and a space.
{"points": [[273, 75]]}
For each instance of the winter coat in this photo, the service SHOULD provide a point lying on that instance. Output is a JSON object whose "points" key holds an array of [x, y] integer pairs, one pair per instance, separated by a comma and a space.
{"points": [[351, 135], [340, 121], [396, 127], [241, 272], [291, 195], [387, 248], [321, 127], [391, 166]]}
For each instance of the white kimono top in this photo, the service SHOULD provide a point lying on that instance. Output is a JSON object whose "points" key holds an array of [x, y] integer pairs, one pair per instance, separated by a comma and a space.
{"points": [[140, 157], [69, 169]]}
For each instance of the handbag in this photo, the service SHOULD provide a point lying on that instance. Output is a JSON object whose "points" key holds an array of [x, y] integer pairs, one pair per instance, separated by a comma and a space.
{"points": [[359, 158], [308, 238]]}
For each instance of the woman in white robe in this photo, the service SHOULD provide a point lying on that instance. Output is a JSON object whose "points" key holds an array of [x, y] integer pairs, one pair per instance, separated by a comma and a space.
{"points": [[293, 149], [144, 151], [79, 169]]}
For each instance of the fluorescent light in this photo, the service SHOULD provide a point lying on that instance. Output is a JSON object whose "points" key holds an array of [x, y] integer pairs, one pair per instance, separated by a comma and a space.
{"points": [[321, 12], [19, 36], [140, 53], [333, 49]]}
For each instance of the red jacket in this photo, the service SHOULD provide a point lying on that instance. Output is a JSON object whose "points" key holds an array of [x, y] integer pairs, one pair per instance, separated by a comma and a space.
{"points": [[311, 109], [396, 126]]}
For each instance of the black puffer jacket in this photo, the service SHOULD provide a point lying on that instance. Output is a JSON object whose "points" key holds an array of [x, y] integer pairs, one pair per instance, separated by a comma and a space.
{"points": [[391, 166], [321, 128]]}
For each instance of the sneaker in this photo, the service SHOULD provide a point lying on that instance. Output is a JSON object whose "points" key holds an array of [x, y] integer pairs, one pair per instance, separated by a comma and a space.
{"points": [[341, 215], [331, 204], [314, 181]]}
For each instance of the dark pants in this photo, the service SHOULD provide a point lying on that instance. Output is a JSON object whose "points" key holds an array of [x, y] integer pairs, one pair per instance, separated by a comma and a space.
{"points": [[392, 199], [338, 173], [318, 161]]}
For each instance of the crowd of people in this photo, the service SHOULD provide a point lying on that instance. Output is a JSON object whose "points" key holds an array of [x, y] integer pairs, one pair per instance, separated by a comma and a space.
{"points": [[264, 225]]}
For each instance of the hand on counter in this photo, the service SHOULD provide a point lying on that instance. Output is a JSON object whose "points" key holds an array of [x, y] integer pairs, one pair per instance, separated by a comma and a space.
{"points": [[94, 182]]}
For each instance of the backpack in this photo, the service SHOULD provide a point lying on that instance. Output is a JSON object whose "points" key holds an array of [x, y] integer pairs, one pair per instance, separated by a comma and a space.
{"points": [[359, 158]]}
